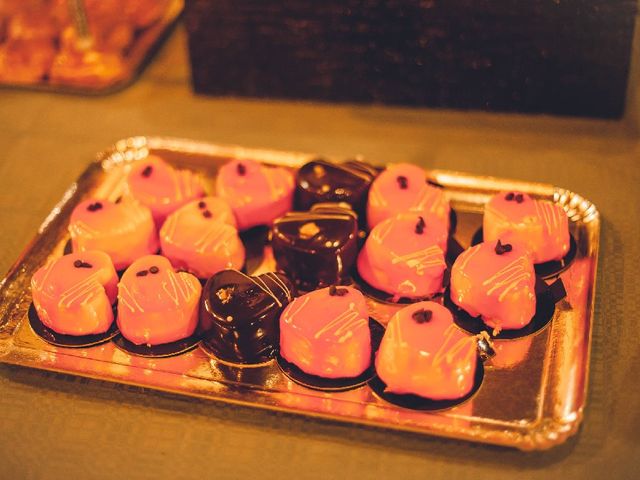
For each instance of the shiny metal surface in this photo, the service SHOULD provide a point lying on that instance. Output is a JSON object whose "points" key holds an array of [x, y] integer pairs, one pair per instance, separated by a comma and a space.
{"points": [[534, 391]]}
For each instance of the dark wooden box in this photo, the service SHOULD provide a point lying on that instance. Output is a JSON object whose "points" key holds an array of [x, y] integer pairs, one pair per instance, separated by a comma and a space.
{"points": [[568, 57]]}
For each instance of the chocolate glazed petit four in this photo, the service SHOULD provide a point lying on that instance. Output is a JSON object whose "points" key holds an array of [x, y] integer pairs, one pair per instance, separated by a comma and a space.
{"points": [[201, 237], [404, 256], [322, 181], [540, 226], [156, 304], [316, 248], [326, 333], [161, 187], [124, 230], [496, 281], [256, 193], [74, 294], [404, 188], [239, 315]]}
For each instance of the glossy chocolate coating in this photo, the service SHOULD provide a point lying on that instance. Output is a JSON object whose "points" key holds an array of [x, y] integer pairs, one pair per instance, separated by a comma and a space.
{"points": [[239, 315], [316, 248], [323, 181]]}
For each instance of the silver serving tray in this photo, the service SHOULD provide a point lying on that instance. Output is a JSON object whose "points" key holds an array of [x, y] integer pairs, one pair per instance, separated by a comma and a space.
{"points": [[534, 391]]}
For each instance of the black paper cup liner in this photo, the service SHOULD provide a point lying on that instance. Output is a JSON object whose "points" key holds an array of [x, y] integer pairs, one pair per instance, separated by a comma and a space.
{"points": [[544, 270], [388, 298], [416, 402], [254, 241], [210, 352], [546, 299], [157, 351], [315, 382], [69, 341]]}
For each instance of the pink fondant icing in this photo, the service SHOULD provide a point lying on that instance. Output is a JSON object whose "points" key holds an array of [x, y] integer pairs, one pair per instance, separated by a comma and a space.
{"points": [[201, 237], [401, 188], [73, 294], [327, 335], [424, 353], [125, 230], [161, 187], [539, 225], [399, 260], [500, 288], [257, 194], [156, 305]]}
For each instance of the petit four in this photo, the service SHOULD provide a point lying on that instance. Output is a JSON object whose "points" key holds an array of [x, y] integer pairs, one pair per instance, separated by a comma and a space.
{"points": [[256, 193], [316, 248], [201, 237], [404, 188], [424, 353], [162, 188], [239, 315], [156, 304], [539, 225], [405, 256], [74, 294], [496, 281], [326, 333], [124, 230], [323, 181]]}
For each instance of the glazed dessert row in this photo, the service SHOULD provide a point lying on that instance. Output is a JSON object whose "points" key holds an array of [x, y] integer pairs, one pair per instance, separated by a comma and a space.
{"points": [[391, 229]]}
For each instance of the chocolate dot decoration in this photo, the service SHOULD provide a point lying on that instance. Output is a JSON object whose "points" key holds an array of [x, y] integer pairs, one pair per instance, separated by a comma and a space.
{"points": [[422, 315], [519, 198], [242, 170], [142, 273], [420, 226], [202, 204], [94, 206], [403, 182], [154, 269], [81, 264], [147, 171], [337, 292], [503, 248], [207, 214], [509, 196]]}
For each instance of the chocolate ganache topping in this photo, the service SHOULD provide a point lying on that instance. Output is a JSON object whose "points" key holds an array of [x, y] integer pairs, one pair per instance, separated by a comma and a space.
{"points": [[316, 248], [239, 314], [323, 181]]}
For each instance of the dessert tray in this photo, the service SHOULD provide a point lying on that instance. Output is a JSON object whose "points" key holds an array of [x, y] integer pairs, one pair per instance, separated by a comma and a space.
{"points": [[534, 389]]}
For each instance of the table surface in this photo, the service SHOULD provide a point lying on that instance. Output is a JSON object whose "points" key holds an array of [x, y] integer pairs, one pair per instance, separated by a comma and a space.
{"points": [[58, 426]]}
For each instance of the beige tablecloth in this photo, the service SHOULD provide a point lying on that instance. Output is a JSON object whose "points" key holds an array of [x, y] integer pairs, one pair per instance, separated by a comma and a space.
{"points": [[56, 426]]}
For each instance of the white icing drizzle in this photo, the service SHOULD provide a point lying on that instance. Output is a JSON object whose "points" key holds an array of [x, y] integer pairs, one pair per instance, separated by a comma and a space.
{"points": [[449, 349], [376, 199], [127, 299], [508, 278], [81, 229], [281, 284], [421, 259], [380, 233], [79, 290], [549, 215], [347, 321], [295, 308], [217, 235], [494, 211], [428, 196], [467, 256]]}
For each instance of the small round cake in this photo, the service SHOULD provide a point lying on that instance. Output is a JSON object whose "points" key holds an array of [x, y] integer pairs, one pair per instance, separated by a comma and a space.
{"points": [[239, 315], [404, 188], [405, 256], [256, 193], [156, 304], [424, 353], [316, 248], [74, 294], [322, 181], [201, 237], [162, 188], [124, 230], [326, 333], [539, 225], [496, 281]]}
